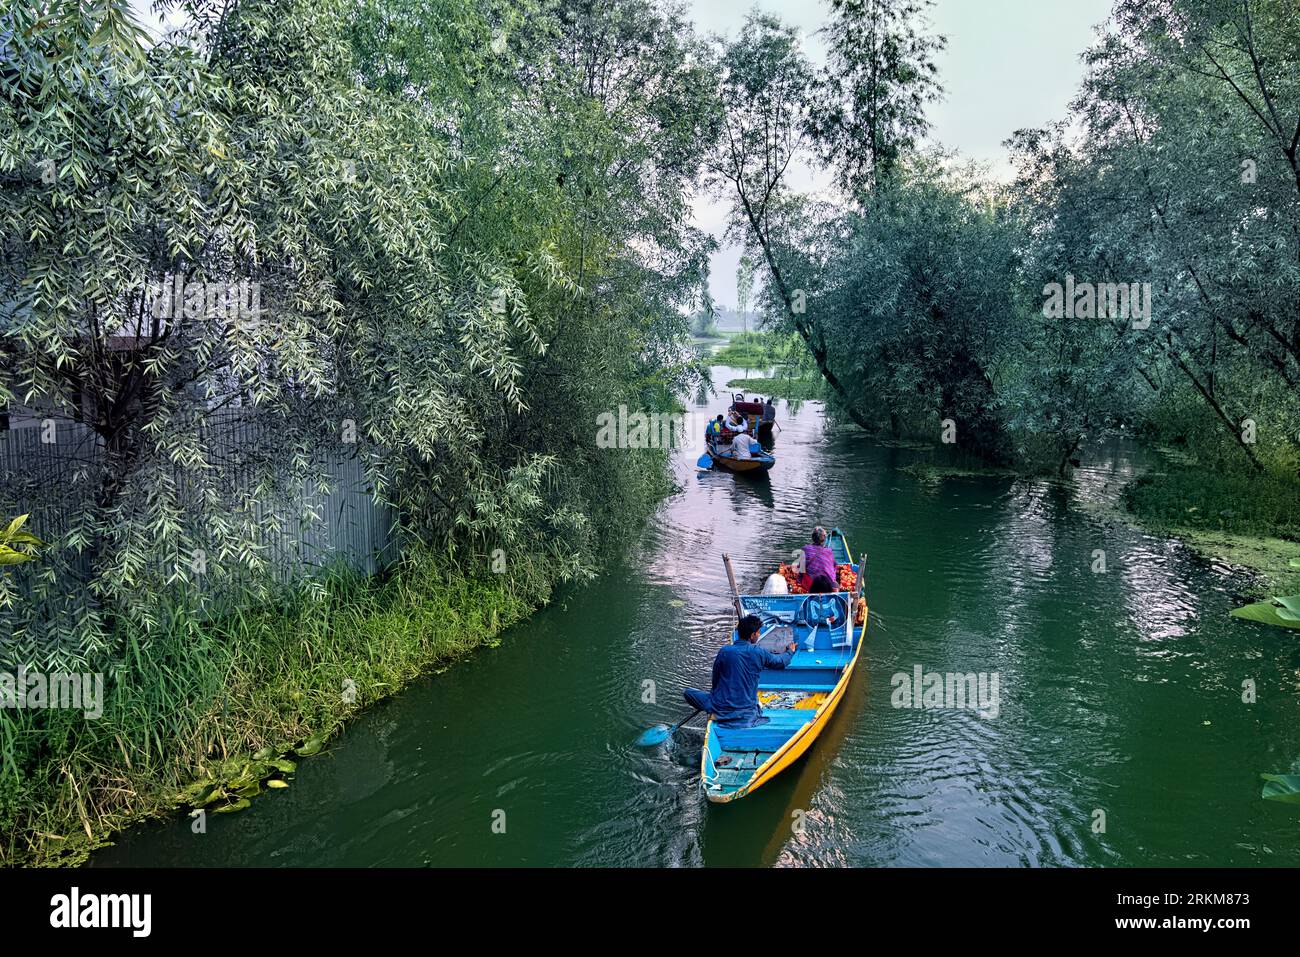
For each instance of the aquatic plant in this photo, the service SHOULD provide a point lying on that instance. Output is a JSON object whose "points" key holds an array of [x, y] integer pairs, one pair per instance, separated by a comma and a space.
{"points": [[1281, 787], [1283, 612]]}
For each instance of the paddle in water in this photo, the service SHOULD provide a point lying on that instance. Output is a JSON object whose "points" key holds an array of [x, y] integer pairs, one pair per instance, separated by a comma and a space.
{"points": [[705, 461], [661, 732]]}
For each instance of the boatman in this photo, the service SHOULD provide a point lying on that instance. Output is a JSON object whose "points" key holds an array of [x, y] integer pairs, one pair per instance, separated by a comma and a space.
{"points": [[734, 699]]}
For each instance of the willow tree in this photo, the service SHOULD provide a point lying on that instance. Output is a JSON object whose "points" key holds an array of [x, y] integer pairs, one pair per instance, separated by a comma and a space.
{"points": [[860, 116], [1191, 114], [922, 299], [439, 236], [868, 108], [764, 85]]}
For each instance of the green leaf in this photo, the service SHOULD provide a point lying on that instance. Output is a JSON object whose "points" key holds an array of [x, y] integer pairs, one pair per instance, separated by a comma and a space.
{"points": [[1290, 602], [199, 794], [12, 528], [1270, 612], [311, 746], [1281, 787], [239, 805]]}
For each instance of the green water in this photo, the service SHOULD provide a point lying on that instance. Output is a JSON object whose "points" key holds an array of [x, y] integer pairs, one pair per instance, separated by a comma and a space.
{"points": [[1120, 692]]}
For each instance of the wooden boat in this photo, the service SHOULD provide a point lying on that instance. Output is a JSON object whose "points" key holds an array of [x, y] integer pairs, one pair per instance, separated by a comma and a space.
{"points": [[760, 415], [758, 461], [798, 701]]}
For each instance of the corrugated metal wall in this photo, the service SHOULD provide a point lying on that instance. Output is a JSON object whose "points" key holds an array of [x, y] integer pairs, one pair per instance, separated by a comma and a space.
{"points": [[349, 525]]}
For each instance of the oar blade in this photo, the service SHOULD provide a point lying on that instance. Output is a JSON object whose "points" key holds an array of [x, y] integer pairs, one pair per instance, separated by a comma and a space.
{"points": [[705, 461], [652, 736]]}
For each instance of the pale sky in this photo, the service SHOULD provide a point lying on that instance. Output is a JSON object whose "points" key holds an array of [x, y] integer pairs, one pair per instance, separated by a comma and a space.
{"points": [[1010, 64]]}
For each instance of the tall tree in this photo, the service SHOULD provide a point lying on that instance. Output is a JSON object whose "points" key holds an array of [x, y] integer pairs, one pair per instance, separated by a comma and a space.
{"points": [[467, 223], [744, 288], [764, 87], [869, 101], [1192, 115], [921, 302]]}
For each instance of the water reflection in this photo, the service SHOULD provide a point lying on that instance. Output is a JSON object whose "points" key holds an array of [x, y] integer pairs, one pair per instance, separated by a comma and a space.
{"points": [[1120, 693]]}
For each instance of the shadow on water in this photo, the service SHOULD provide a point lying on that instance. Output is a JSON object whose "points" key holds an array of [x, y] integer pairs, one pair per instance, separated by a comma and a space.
{"points": [[784, 808]]}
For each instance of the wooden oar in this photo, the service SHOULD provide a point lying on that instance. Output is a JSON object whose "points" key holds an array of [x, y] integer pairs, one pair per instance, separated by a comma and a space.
{"points": [[661, 732], [735, 592]]}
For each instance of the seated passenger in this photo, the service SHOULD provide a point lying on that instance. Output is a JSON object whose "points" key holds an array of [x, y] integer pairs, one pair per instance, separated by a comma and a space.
{"points": [[715, 429], [817, 564], [736, 670], [740, 445]]}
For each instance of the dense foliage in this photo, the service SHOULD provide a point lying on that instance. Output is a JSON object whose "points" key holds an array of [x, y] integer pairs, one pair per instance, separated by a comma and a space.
{"points": [[1167, 208], [466, 221], [438, 239]]}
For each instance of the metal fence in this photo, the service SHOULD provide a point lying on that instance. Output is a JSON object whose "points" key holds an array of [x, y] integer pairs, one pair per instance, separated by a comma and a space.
{"points": [[40, 462]]}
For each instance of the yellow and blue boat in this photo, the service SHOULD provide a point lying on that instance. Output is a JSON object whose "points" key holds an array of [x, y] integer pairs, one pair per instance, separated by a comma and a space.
{"points": [[724, 458], [798, 701]]}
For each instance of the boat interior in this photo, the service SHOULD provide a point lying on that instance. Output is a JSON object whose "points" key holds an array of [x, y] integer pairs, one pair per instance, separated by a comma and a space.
{"points": [[821, 625], [724, 451]]}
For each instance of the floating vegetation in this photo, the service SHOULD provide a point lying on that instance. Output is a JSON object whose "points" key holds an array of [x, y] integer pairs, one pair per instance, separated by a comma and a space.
{"points": [[234, 783], [932, 474], [1282, 612], [1281, 787], [793, 389]]}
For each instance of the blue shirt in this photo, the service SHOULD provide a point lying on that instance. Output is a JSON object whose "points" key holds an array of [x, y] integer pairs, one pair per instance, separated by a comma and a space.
{"points": [[736, 671]]}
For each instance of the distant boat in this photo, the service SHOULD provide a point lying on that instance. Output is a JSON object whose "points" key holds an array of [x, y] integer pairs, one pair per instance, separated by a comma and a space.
{"points": [[798, 701], [760, 415]]}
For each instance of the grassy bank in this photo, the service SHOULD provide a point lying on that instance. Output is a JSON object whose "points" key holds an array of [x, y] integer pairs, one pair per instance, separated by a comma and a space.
{"points": [[1241, 518], [758, 350], [794, 389], [205, 717]]}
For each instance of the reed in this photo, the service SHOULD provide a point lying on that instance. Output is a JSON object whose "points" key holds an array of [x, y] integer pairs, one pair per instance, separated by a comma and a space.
{"points": [[182, 705]]}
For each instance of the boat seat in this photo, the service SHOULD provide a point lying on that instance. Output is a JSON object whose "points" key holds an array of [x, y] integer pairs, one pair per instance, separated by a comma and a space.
{"points": [[819, 658], [765, 737], [813, 680]]}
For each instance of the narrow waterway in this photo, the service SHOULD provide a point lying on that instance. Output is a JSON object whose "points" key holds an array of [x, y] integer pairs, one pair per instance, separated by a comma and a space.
{"points": [[1120, 738]]}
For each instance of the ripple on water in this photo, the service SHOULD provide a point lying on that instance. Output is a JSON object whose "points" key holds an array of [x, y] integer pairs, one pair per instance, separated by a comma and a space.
{"points": [[1119, 697]]}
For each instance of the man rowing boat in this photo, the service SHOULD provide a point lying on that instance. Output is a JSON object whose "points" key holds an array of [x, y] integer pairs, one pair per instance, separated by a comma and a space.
{"points": [[736, 670]]}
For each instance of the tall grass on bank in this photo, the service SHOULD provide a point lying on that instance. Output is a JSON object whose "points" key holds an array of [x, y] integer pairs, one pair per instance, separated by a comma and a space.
{"points": [[180, 705], [758, 350], [1218, 500]]}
